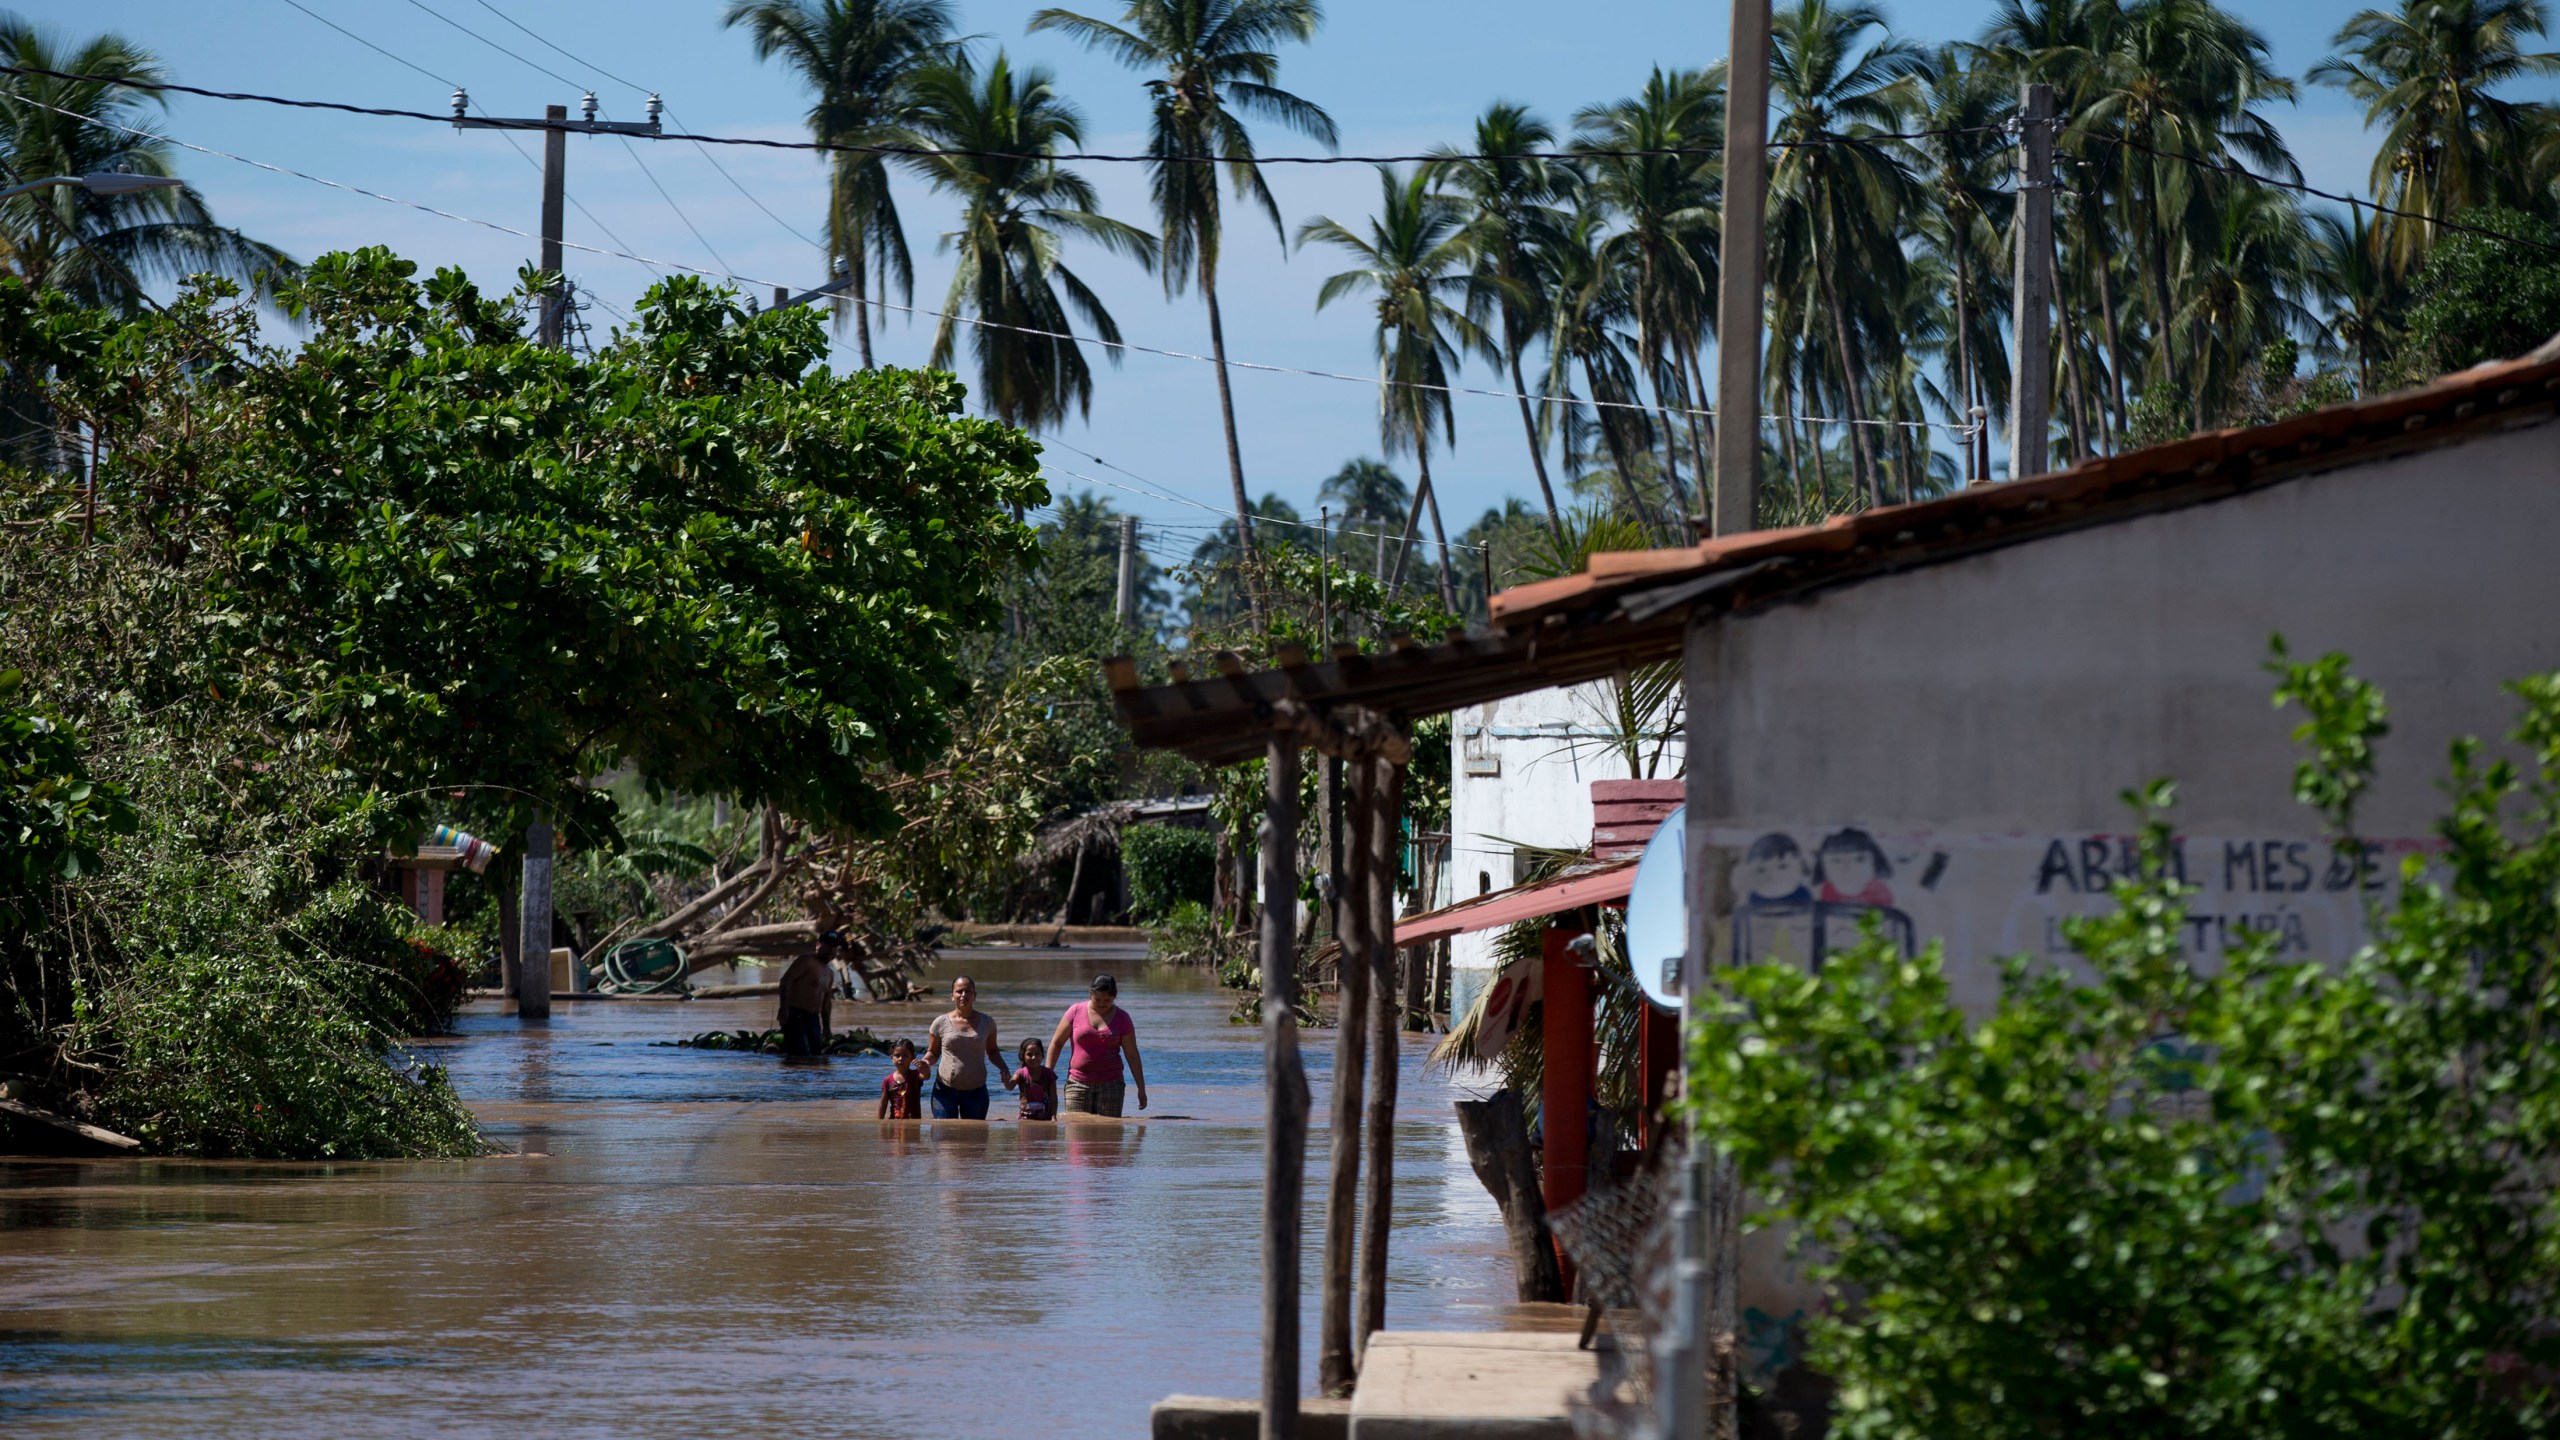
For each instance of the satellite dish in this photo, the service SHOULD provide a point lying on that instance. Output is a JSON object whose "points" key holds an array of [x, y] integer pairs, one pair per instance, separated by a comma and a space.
{"points": [[1658, 911]]}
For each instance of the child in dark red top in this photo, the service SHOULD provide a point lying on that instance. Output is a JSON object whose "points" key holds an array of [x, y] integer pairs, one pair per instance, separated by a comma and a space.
{"points": [[902, 1089], [1037, 1082]]}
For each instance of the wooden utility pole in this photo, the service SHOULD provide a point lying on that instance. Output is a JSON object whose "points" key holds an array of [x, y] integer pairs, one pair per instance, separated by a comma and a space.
{"points": [[533, 914], [1337, 1353], [1738, 300], [1125, 608], [2031, 348], [1386, 1022], [1284, 1135]]}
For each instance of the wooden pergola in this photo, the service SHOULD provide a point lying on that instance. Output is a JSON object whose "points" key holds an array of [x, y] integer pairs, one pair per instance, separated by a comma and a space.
{"points": [[1356, 708]]}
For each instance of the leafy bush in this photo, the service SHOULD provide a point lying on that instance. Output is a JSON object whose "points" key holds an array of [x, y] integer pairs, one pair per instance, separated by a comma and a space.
{"points": [[2285, 1199], [2478, 298], [53, 816], [1167, 867]]}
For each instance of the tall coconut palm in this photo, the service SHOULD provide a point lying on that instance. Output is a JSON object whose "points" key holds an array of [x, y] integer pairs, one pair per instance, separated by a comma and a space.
{"points": [[1837, 193], [1215, 64], [102, 249], [1410, 261], [859, 58], [1668, 205], [992, 130], [2245, 289], [2424, 74], [2360, 297], [1515, 192], [2181, 82], [1589, 305], [1366, 497], [1958, 106]]}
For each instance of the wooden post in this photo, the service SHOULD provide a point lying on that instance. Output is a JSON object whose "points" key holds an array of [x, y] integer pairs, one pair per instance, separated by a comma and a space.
{"points": [[1735, 506], [1284, 1140], [1386, 1025], [1337, 1360], [1657, 1057], [1565, 1122], [555, 297], [533, 908]]}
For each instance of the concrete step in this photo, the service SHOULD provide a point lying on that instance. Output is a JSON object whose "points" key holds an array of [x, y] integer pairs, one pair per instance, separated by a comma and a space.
{"points": [[1464, 1385]]}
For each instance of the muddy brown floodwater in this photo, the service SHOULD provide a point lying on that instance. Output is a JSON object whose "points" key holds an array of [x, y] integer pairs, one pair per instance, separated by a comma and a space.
{"points": [[712, 1244]]}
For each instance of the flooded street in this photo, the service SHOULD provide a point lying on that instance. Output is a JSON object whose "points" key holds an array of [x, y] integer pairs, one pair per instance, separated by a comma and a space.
{"points": [[704, 1243]]}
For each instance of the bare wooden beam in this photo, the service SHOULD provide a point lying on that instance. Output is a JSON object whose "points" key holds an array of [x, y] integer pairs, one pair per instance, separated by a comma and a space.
{"points": [[1336, 1356], [1284, 1143], [1386, 1019]]}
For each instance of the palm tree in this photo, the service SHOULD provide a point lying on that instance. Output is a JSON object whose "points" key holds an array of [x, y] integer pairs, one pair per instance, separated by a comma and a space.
{"points": [[859, 57], [1409, 260], [2244, 291], [2180, 81], [1215, 62], [2424, 75], [1366, 497], [992, 133], [1589, 302], [100, 250], [1958, 105], [1514, 190], [1668, 205], [1219, 594], [1836, 196], [2361, 322]]}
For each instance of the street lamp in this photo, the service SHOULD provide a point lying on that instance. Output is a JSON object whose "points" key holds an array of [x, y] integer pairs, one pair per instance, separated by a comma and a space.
{"points": [[105, 182]]}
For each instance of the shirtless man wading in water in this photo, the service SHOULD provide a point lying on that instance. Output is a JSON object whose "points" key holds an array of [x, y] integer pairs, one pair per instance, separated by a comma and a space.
{"points": [[804, 1008]]}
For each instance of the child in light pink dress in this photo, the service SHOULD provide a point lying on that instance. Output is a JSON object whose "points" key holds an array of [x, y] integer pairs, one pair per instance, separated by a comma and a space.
{"points": [[1037, 1083]]}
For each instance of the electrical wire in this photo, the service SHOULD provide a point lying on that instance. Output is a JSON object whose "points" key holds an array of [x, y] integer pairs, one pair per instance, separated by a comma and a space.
{"points": [[628, 147], [503, 134], [757, 142], [2329, 195], [887, 304], [575, 59]]}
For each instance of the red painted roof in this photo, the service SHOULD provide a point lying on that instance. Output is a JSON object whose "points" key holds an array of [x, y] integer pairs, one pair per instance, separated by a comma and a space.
{"points": [[1607, 881]]}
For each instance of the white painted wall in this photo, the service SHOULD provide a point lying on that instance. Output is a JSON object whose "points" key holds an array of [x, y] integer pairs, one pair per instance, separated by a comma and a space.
{"points": [[1521, 772], [1974, 715]]}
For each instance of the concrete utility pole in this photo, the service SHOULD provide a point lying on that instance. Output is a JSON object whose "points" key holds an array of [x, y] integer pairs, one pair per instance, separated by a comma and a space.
{"points": [[1738, 300], [1125, 608], [2031, 350]]}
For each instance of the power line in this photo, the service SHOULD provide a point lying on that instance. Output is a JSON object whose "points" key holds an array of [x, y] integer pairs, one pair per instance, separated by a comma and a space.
{"points": [[886, 304], [1159, 494], [1700, 152], [577, 59], [708, 248], [2329, 195], [398, 59]]}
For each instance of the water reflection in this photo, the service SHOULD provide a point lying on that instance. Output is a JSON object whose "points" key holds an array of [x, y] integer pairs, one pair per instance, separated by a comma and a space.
{"points": [[715, 1243]]}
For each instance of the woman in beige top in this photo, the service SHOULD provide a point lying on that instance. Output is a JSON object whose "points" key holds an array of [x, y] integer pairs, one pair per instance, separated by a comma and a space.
{"points": [[957, 1045]]}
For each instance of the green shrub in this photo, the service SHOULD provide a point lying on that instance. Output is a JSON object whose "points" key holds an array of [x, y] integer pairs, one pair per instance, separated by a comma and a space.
{"points": [[1167, 867], [2286, 1199]]}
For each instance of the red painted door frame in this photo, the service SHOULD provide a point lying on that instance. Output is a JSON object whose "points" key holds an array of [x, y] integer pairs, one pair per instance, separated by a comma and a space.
{"points": [[1571, 1061]]}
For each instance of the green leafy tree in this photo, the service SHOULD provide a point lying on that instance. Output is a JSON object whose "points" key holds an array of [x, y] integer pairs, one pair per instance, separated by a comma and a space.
{"points": [[859, 59], [1215, 65], [53, 815], [2478, 298], [995, 129], [2291, 1198]]}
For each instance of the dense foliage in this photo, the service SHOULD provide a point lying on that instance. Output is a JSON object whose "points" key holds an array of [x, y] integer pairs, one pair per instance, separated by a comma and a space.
{"points": [[415, 568], [1168, 868], [2281, 1199]]}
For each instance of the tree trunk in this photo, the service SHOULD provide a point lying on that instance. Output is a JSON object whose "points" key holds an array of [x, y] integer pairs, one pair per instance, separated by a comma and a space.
{"points": [[1537, 449], [1964, 355], [861, 308], [1702, 426], [1235, 453], [1429, 497], [1617, 451], [2099, 262], [1284, 1131], [1852, 396], [1412, 523], [1496, 1131]]}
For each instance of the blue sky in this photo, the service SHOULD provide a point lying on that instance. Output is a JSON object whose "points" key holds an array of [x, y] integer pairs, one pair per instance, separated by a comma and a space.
{"points": [[1398, 76]]}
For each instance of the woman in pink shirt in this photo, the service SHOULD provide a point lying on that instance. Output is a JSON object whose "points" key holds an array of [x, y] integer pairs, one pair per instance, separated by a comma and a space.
{"points": [[1096, 1035]]}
